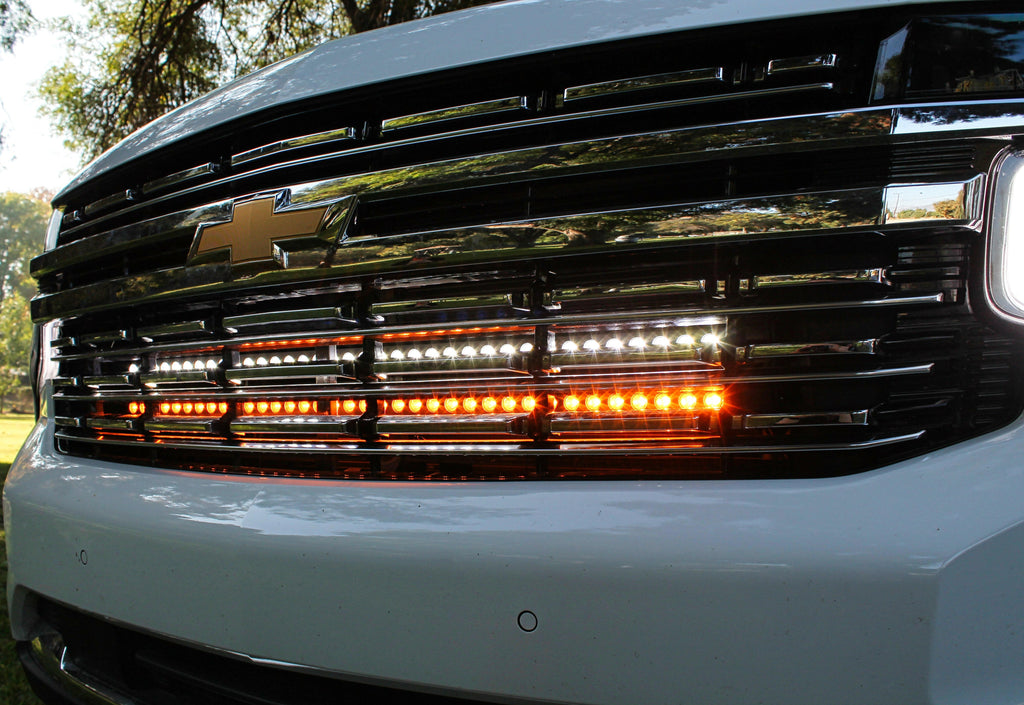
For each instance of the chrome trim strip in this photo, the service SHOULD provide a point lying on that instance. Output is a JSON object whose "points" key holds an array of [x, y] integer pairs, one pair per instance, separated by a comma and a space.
{"points": [[108, 202], [174, 330], [500, 424], [515, 104], [449, 365], [565, 450], [801, 420], [155, 380], [336, 425], [338, 136], [181, 177], [252, 320], [805, 133], [239, 375], [185, 425], [110, 381], [961, 201], [771, 350], [801, 63], [638, 83], [102, 423], [863, 276], [115, 336], [72, 421], [586, 424]]}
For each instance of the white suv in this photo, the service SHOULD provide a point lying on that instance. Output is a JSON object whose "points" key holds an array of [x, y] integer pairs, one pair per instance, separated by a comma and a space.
{"points": [[552, 351]]}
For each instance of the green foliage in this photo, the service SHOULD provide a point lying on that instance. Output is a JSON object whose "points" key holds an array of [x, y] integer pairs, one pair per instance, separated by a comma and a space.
{"points": [[22, 230], [15, 19], [16, 333], [135, 60]]}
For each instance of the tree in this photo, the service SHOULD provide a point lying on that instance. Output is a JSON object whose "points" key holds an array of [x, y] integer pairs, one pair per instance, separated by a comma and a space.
{"points": [[16, 333], [22, 231], [15, 19], [134, 60]]}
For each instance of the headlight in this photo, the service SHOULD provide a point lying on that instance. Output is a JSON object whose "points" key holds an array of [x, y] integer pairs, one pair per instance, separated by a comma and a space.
{"points": [[1005, 265]]}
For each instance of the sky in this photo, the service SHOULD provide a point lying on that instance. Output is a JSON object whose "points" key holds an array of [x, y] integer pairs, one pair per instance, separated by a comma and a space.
{"points": [[32, 155]]}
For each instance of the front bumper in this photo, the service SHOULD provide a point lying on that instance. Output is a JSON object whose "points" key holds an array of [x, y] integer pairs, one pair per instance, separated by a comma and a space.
{"points": [[898, 585]]}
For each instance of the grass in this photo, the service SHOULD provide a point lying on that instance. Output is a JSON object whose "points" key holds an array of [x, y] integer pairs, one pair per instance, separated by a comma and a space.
{"points": [[14, 688]]}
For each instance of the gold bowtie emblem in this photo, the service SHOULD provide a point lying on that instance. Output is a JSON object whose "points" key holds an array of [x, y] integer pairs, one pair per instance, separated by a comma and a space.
{"points": [[258, 226]]}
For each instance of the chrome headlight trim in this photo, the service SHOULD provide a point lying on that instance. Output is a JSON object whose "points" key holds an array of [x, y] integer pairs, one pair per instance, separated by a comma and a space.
{"points": [[1004, 271]]}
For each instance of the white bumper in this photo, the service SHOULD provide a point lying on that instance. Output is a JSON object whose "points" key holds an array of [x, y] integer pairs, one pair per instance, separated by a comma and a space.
{"points": [[901, 585]]}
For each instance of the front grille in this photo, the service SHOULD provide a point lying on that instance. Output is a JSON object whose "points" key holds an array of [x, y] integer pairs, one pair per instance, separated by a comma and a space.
{"points": [[657, 297]]}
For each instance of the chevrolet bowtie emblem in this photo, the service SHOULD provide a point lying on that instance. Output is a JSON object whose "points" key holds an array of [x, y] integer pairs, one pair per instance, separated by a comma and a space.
{"points": [[260, 226]]}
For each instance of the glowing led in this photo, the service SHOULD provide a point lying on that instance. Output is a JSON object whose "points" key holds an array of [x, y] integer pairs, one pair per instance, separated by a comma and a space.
{"points": [[347, 357], [261, 362], [165, 408], [262, 407], [348, 406], [249, 407], [133, 408], [662, 401], [289, 407], [275, 407], [570, 346], [713, 400], [186, 408], [507, 349], [187, 366], [529, 403], [488, 350], [304, 407], [489, 404], [133, 367], [165, 367], [469, 404], [593, 402], [248, 362], [305, 358], [398, 405], [397, 355], [526, 347], [433, 405], [637, 343], [613, 344], [592, 345], [289, 360], [415, 405], [451, 405], [661, 342], [508, 403], [709, 339], [638, 401], [211, 364], [468, 351], [688, 401], [616, 402], [275, 360], [685, 339], [450, 352], [176, 407], [432, 354], [415, 354], [222, 408], [176, 366], [361, 406], [211, 407], [572, 403]]}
